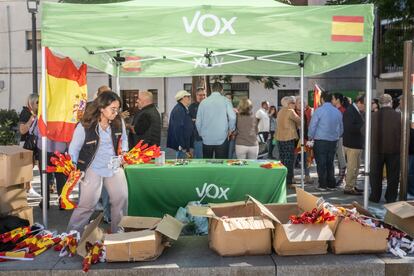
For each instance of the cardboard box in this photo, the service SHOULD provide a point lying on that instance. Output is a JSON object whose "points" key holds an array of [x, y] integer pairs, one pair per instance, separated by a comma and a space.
{"points": [[237, 228], [12, 198], [297, 239], [401, 216], [16, 165], [141, 245], [24, 213], [350, 236], [92, 233]]}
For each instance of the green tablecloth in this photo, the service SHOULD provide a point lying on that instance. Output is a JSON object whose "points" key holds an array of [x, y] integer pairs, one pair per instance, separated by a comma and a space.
{"points": [[157, 190]]}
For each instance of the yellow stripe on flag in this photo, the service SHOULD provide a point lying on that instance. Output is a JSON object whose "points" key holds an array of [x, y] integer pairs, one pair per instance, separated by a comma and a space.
{"points": [[62, 104], [347, 28]]}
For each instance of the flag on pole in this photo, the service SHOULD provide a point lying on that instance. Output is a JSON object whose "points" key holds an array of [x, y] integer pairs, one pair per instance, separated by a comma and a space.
{"points": [[316, 96], [66, 96]]}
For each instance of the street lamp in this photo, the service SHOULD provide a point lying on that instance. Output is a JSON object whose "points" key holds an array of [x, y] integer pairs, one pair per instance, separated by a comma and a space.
{"points": [[32, 7]]}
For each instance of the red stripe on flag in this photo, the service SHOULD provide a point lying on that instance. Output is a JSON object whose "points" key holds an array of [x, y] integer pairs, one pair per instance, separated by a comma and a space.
{"points": [[347, 38], [64, 68], [57, 131], [354, 19]]}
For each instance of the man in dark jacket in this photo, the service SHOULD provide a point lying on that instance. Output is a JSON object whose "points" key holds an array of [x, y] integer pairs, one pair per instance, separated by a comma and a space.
{"points": [[180, 127], [385, 149], [353, 142], [193, 108], [146, 124]]}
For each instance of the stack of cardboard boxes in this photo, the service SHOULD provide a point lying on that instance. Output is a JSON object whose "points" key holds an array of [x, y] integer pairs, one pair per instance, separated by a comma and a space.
{"points": [[16, 168]]}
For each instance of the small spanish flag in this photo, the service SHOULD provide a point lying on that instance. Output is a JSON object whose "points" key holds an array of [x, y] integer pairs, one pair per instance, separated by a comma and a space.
{"points": [[66, 96], [347, 28]]}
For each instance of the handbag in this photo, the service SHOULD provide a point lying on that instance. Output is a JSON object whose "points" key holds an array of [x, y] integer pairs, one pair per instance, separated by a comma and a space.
{"points": [[30, 143]]}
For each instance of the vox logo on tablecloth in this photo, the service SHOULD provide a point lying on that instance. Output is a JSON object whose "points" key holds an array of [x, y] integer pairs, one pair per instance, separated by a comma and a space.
{"points": [[220, 25], [212, 191]]}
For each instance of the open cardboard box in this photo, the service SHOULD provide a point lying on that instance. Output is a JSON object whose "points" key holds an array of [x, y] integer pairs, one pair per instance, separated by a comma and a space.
{"points": [[16, 165], [144, 245], [351, 237], [237, 228], [401, 216]]}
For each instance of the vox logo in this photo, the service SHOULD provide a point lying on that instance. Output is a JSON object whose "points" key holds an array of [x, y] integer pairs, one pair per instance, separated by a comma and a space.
{"points": [[212, 191], [220, 25]]}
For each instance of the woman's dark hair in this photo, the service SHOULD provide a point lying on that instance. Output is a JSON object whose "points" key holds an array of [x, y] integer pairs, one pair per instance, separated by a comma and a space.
{"points": [[343, 100], [274, 115], [93, 113]]}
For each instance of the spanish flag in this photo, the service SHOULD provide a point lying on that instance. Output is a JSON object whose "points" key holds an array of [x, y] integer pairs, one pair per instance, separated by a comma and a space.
{"points": [[316, 96], [347, 28], [66, 96]]}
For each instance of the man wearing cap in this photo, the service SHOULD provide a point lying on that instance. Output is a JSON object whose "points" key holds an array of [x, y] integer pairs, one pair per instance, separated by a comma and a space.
{"points": [[180, 127], [215, 121], [385, 150]]}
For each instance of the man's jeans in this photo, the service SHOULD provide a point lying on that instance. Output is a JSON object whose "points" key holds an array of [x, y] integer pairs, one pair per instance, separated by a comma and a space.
{"points": [[198, 149], [324, 157]]}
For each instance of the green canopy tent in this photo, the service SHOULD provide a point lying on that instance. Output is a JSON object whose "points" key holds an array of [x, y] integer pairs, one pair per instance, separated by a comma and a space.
{"points": [[163, 38]]}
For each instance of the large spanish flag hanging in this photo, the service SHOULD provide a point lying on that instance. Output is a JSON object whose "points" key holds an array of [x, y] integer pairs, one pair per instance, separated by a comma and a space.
{"points": [[66, 96]]}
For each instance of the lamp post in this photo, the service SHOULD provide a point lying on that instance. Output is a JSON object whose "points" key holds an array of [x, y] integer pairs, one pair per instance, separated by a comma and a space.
{"points": [[32, 7]]}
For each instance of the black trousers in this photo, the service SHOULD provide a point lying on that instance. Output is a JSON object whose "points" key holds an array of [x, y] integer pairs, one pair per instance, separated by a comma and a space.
{"points": [[59, 177], [324, 156], [286, 152], [392, 165], [216, 151]]}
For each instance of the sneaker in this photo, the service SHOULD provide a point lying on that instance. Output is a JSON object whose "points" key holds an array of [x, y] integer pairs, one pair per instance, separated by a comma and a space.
{"points": [[32, 193], [321, 189]]}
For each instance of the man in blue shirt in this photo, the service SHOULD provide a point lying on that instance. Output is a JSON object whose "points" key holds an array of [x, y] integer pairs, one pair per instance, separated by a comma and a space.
{"points": [[216, 119], [325, 129]]}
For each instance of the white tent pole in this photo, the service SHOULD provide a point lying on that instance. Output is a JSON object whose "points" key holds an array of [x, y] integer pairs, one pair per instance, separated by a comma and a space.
{"points": [[302, 121], [118, 85], [368, 99], [44, 142]]}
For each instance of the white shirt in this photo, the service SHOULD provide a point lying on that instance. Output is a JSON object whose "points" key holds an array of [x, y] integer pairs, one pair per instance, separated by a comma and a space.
{"points": [[264, 120]]}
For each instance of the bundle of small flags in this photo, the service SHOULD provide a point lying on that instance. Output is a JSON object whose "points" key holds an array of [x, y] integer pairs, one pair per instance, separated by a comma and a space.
{"points": [[95, 253], [271, 165], [62, 163], [314, 216], [68, 244], [142, 153]]}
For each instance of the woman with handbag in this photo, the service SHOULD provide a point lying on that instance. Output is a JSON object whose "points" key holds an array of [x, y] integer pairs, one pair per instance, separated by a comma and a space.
{"points": [[97, 142], [27, 140]]}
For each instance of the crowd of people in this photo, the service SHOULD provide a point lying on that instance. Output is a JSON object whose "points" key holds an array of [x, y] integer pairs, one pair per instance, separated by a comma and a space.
{"points": [[211, 127]]}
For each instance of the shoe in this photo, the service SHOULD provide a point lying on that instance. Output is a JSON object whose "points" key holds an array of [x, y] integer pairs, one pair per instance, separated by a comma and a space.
{"points": [[32, 193], [358, 190], [352, 192], [321, 189]]}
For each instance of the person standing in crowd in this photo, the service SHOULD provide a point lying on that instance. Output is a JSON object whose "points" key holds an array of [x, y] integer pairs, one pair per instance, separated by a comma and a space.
{"points": [[264, 121], [353, 141], [247, 146], [198, 142], [308, 116], [385, 150], [94, 144], [232, 136], [286, 135], [180, 127], [375, 105], [215, 122], [340, 102], [26, 120], [146, 124], [273, 125], [325, 129]]}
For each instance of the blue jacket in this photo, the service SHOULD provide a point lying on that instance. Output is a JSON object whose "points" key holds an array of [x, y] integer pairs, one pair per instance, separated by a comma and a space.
{"points": [[180, 128]]}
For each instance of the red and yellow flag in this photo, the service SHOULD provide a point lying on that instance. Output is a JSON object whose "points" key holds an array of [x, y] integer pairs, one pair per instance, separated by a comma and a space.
{"points": [[66, 96], [316, 96], [347, 28]]}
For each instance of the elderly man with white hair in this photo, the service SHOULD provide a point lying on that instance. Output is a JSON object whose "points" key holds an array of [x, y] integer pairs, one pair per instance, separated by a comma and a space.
{"points": [[286, 134], [385, 150]]}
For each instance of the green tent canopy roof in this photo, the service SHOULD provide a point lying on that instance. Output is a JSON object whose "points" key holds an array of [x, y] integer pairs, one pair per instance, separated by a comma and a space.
{"points": [[164, 38]]}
